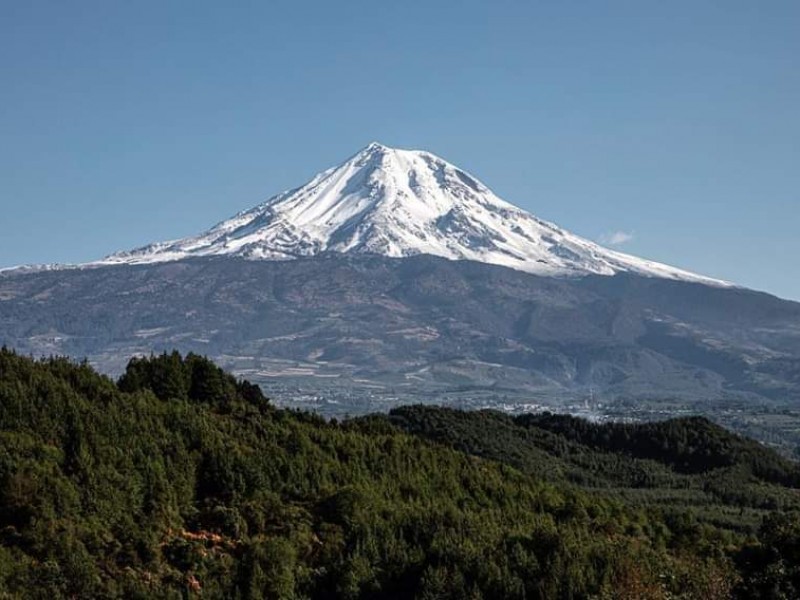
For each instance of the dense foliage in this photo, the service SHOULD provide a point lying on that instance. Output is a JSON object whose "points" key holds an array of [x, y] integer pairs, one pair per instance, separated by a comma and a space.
{"points": [[725, 479], [688, 445], [180, 481]]}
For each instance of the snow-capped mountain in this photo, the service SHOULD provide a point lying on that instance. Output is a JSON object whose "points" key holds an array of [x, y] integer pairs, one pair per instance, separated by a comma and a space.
{"points": [[401, 203], [448, 320]]}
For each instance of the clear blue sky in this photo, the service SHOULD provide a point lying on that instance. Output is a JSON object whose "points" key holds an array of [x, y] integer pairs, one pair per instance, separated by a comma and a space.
{"points": [[676, 124]]}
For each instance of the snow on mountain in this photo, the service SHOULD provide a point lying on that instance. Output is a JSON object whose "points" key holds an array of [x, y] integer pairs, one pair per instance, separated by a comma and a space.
{"points": [[401, 203]]}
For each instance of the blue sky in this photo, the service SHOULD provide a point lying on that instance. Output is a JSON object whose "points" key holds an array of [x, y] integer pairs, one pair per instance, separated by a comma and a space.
{"points": [[669, 128]]}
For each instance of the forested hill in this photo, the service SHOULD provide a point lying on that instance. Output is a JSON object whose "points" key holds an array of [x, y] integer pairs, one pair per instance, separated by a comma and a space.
{"points": [[180, 481], [688, 463]]}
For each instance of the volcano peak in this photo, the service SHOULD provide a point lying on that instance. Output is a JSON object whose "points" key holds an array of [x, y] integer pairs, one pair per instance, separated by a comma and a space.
{"points": [[397, 203]]}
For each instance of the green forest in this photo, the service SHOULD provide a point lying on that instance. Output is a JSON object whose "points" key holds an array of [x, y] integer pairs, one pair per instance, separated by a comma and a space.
{"points": [[180, 481]]}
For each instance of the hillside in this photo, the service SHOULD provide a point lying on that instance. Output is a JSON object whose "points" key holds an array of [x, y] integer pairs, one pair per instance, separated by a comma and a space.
{"points": [[686, 464], [180, 479]]}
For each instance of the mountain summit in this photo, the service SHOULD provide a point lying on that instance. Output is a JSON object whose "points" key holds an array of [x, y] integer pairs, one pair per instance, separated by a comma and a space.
{"points": [[401, 203]]}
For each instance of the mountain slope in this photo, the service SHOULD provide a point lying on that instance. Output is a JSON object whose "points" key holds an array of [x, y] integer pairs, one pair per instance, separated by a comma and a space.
{"points": [[402, 203], [361, 333]]}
